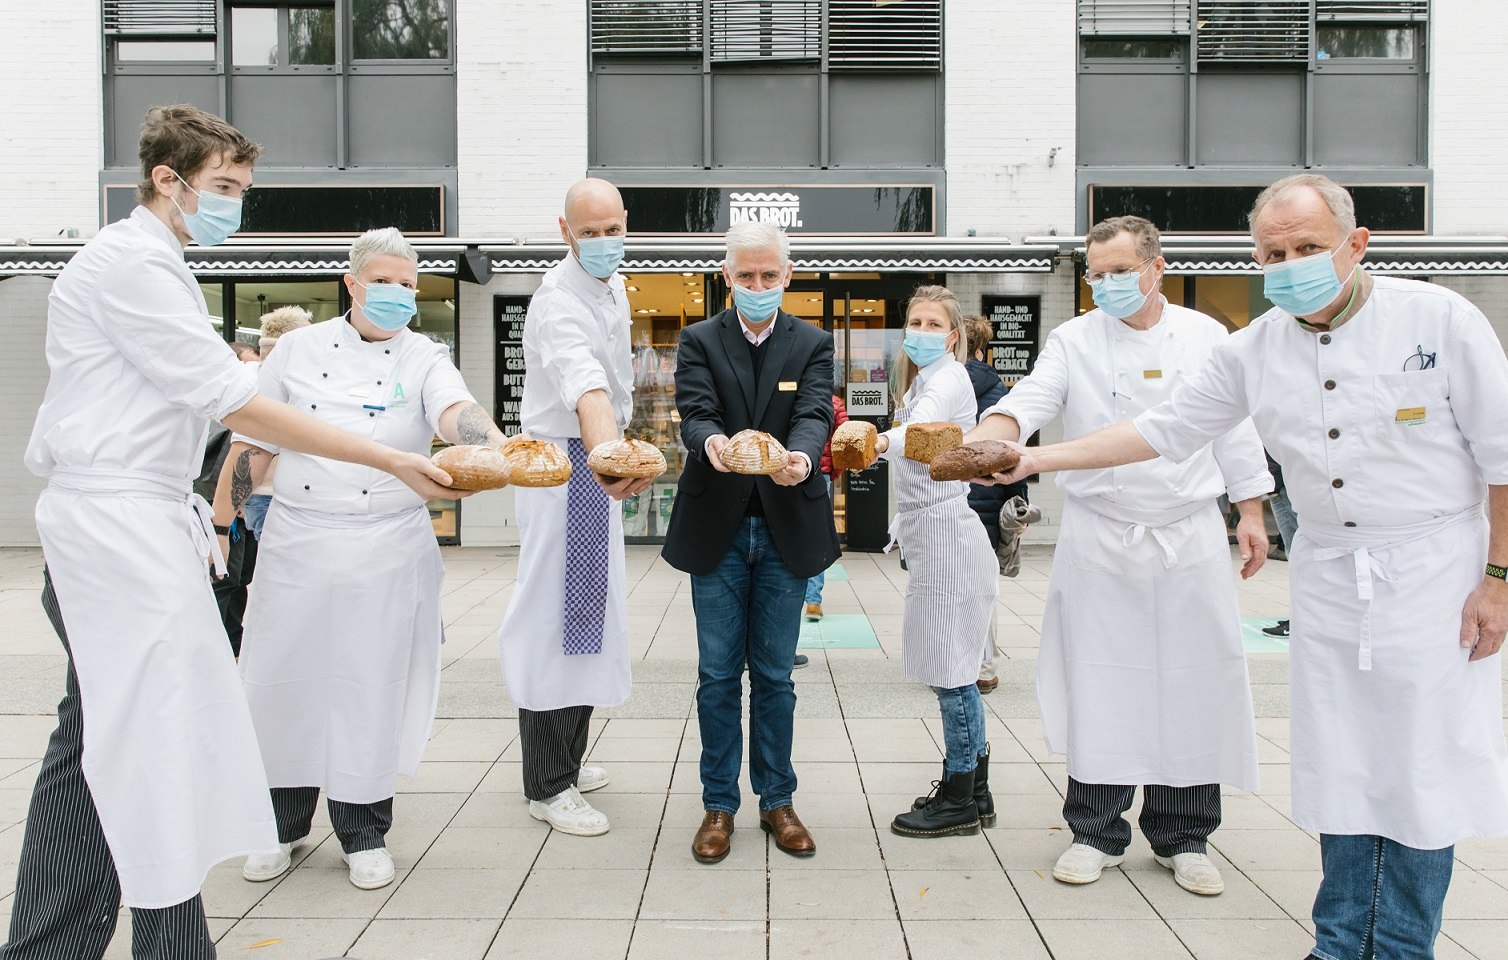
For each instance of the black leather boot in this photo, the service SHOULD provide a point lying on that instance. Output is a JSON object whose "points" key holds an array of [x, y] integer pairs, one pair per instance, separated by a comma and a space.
{"points": [[982, 799], [949, 811]]}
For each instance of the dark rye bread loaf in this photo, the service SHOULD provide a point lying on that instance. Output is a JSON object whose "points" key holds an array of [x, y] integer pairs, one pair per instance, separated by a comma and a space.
{"points": [[978, 459]]}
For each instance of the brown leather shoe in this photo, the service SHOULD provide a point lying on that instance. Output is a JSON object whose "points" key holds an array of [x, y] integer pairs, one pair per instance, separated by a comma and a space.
{"points": [[986, 685], [789, 832], [714, 838]]}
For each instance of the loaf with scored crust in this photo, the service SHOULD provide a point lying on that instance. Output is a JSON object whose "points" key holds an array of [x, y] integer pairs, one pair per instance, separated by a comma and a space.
{"points": [[473, 467], [627, 457], [754, 452], [535, 463]]}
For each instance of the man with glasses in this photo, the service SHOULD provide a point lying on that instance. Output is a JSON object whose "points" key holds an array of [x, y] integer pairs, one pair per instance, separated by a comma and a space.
{"points": [[1141, 676]]}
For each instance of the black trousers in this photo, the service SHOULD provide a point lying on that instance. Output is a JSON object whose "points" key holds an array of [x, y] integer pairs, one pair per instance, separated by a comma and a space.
{"points": [[1173, 819], [554, 744], [67, 892], [230, 590], [359, 826]]}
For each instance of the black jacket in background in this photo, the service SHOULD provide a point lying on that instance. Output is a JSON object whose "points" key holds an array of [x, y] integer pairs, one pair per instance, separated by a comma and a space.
{"points": [[987, 501], [716, 392]]}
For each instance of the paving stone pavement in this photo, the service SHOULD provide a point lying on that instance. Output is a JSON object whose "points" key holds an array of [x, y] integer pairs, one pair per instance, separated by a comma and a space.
{"points": [[479, 880]]}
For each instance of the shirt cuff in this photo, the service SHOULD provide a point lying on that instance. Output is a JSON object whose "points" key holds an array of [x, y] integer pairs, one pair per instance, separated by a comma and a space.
{"points": [[804, 459], [895, 442], [1250, 488], [707, 447]]}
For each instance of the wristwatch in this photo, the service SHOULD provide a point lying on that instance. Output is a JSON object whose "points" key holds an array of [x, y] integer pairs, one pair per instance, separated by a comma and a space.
{"points": [[223, 531], [1493, 570]]}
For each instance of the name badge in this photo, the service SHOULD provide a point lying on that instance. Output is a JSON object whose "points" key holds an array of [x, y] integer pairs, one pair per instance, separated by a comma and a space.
{"points": [[1409, 415], [787, 385], [1151, 374], [358, 393]]}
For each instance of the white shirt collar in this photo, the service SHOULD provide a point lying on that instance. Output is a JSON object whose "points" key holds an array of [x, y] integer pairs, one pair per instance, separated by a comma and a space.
{"points": [[587, 286], [763, 335], [150, 222]]}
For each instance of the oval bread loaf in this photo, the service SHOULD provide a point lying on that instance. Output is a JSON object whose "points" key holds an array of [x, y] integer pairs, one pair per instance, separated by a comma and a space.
{"points": [[473, 467], [536, 463], [627, 457], [754, 452], [854, 445], [978, 459]]}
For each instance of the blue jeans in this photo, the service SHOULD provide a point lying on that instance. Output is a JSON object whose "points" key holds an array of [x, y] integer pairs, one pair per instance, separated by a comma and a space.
{"points": [[814, 585], [963, 727], [1379, 899], [254, 510], [1286, 519], [748, 611]]}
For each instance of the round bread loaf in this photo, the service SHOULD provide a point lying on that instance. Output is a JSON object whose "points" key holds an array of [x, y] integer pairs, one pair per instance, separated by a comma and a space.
{"points": [[754, 452], [854, 445], [924, 441], [978, 459], [536, 463], [473, 467], [627, 457]]}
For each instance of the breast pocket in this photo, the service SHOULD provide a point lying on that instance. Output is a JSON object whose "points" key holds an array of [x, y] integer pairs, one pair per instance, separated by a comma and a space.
{"points": [[1411, 406]]}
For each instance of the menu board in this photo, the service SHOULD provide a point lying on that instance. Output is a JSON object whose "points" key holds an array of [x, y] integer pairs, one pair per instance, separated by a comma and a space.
{"points": [[508, 343], [1016, 322]]}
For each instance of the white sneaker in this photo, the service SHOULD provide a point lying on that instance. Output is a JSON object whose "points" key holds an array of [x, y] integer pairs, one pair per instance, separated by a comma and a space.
{"points": [[261, 867], [1082, 863], [1194, 873], [591, 778], [370, 869], [569, 813]]}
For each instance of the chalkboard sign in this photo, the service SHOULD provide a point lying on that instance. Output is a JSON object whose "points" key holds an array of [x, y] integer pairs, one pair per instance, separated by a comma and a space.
{"points": [[508, 336], [1015, 321], [867, 510]]}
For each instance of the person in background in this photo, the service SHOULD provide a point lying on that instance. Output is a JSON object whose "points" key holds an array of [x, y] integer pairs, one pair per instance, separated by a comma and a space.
{"points": [[987, 500], [814, 584], [1288, 525], [245, 352], [274, 324]]}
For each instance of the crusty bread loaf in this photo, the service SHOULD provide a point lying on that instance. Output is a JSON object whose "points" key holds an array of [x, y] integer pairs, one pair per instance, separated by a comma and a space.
{"points": [[627, 458], [926, 440], [473, 467], [854, 445], [536, 463], [978, 459], [756, 452]]}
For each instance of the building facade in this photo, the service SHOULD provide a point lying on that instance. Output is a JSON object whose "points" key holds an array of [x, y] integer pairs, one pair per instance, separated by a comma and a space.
{"points": [[967, 142]]}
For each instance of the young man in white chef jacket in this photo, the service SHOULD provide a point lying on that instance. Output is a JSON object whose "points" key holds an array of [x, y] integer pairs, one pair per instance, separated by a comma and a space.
{"points": [[1382, 399], [564, 639], [341, 656], [1142, 675], [153, 775]]}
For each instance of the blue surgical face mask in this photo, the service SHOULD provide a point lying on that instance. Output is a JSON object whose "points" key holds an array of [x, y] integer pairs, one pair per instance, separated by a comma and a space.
{"points": [[1304, 286], [757, 306], [599, 256], [389, 306], [925, 347], [1119, 294], [218, 216]]}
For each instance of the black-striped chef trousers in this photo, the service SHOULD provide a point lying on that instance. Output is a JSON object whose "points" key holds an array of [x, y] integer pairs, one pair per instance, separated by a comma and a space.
{"points": [[67, 892], [554, 744], [359, 826], [1173, 819]]}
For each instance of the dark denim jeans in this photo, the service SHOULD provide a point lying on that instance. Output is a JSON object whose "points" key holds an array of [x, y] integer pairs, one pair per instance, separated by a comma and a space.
{"points": [[1379, 899], [963, 727], [748, 611]]}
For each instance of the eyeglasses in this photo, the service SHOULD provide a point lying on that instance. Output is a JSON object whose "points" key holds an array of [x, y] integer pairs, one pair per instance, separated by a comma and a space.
{"points": [[1095, 276]]}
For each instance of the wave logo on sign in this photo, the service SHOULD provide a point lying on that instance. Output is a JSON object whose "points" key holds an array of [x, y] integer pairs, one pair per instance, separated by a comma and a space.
{"points": [[781, 209]]}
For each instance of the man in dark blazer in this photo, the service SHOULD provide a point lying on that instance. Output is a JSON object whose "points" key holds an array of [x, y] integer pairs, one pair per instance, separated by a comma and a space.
{"points": [[750, 543]]}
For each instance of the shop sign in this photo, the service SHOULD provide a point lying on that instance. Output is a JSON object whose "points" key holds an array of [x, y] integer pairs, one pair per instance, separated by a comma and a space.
{"points": [[508, 337], [1015, 322], [781, 209], [868, 399], [853, 210]]}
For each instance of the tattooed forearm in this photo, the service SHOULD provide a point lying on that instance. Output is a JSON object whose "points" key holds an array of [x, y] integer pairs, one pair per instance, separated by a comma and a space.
{"points": [[474, 426], [240, 478]]}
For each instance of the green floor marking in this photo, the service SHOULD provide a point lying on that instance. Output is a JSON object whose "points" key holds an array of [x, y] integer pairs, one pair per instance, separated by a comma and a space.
{"points": [[838, 631], [1255, 641]]}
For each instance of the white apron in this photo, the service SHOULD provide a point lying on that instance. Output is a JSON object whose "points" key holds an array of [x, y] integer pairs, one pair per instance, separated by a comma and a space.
{"points": [[954, 579], [341, 653], [536, 670], [1395, 732], [169, 751], [1141, 675]]}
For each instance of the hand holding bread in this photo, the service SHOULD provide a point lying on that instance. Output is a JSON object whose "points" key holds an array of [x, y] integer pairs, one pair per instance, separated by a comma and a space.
{"points": [[980, 458], [473, 467], [754, 452]]}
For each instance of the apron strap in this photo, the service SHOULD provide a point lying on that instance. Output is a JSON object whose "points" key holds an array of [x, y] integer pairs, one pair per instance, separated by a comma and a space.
{"points": [[203, 532], [1367, 568], [1136, 532]]}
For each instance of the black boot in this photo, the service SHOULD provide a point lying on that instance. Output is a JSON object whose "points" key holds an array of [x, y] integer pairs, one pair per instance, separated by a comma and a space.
{"points": [[947, 812], [982, 799]]}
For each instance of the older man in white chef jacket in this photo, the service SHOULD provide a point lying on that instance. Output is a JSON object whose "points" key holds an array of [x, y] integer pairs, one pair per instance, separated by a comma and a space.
{"points": [[1142, 676], [1382, 400], [341, 657], [564, 639], [153, 774]]}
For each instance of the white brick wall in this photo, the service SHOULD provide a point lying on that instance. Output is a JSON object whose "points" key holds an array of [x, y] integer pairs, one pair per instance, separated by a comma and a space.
{"points": [[1010, 80], [51, 120], [521, 87], [1468, 112], [23, 380]]}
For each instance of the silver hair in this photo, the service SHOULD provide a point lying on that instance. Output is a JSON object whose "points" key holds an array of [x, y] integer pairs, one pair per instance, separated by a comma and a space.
{"points": [[1336, 197], [384, 241], [754, 235]]}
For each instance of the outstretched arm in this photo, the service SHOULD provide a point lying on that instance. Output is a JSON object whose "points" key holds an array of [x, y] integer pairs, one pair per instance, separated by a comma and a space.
{"points": [[1111, 447], [466, 422]]}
